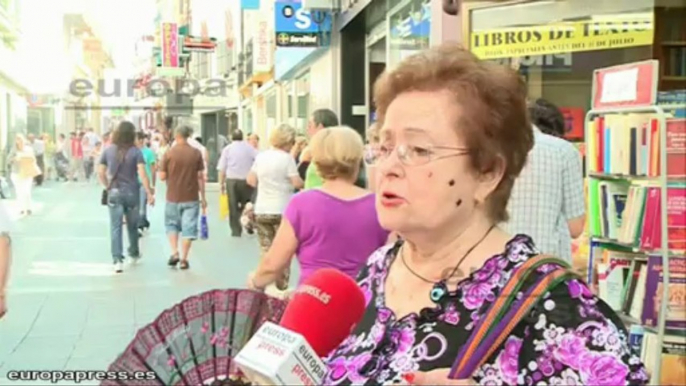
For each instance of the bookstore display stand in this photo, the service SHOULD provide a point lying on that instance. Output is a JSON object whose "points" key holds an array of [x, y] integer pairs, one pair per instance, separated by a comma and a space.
{"points": [[629, 169], [662, 184]]}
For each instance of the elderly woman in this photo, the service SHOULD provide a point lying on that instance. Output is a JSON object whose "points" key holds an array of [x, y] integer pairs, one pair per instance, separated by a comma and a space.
{"points": [[334, 225], [454, 136], [276, 173]]}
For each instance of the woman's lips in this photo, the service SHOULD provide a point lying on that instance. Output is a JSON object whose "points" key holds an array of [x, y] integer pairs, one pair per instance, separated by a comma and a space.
{"points": [[391, 200]]}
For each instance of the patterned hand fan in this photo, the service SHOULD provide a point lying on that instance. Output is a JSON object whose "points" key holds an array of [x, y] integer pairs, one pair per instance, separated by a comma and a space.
{"points": [[195, 341]]}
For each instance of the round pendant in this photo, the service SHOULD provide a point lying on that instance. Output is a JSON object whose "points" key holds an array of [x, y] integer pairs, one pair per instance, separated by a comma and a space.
{"points": [[438, 291]]}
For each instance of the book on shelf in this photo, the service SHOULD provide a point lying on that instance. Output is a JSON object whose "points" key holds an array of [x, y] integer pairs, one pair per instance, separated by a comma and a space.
{"points": [[676, 307], [672, 99], [673, 352], [631, 214], [632, 284], [629, 144]]}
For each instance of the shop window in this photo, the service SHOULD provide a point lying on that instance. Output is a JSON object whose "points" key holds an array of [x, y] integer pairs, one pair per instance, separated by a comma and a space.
{"points": [[556, 47], [409, 29]]}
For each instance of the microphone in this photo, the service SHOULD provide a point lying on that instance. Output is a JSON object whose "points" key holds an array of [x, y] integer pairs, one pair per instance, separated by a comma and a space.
{"points": [[321, 314]]}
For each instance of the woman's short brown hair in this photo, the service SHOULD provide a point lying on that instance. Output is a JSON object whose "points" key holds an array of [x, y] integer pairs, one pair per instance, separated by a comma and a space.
{"points": [[337, 152], [492, 98]]}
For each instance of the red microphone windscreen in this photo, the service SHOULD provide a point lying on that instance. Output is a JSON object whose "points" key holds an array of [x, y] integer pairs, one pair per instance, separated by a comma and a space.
{"points": [[324, 309]]}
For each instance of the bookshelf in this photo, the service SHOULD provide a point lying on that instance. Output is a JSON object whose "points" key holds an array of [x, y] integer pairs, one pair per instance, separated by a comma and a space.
{"points": [[669, 46], [639, 173]]}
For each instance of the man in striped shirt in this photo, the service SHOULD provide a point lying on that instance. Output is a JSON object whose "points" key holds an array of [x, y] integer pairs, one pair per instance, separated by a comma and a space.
{"points": [[547, 201]]}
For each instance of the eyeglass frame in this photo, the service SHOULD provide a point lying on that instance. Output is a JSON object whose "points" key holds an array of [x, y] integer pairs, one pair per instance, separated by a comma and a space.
{"points": [[459, 151]]}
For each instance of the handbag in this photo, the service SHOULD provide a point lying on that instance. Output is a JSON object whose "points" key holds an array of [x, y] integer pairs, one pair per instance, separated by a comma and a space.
{"points": [[204, 228], [104, 198], [223, 206], [505, 313]]}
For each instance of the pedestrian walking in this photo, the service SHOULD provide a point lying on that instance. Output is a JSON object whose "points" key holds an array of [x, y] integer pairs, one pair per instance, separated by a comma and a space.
{"points": [[121, 165], [183, 170], [333, 226], [276, 174], [151, 170], [24, 169], [39, 150], [234, 165]]}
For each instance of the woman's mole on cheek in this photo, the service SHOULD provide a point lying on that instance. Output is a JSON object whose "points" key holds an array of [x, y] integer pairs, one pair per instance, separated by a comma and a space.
{"points": [[431, 174], [451, 182], [459, 202]]}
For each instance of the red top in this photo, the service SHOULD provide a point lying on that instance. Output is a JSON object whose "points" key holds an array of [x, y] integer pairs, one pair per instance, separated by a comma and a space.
{"points": [[76, 148]]}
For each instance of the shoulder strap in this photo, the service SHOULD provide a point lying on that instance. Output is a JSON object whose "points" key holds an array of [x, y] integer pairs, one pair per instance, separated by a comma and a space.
{"points": [[505, 313]]}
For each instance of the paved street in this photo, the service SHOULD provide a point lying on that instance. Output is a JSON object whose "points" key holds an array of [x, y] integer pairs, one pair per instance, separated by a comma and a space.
{"points": [[68, 310]]}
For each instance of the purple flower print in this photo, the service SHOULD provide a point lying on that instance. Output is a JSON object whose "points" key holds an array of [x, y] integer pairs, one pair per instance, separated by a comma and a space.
{"points": [[384, 314], [376, 333], [490, 375], [545, 268], [602, 369], [404, 338], [404, 364], [567, 378], [487, 270], [578, 290], [545, 365], [475, 294], [337, 369], [205, 327], [509, 360], [570, 350], [451, 316], [354, 366], [367, 292], [171, 361], [575, 289]]}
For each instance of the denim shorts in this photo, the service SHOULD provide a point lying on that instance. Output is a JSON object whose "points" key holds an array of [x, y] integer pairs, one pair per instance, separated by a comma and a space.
{"points": [[182, 217]]}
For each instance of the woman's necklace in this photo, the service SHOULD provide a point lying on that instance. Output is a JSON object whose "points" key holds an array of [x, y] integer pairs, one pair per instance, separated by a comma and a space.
{"points": [[440, 288]]}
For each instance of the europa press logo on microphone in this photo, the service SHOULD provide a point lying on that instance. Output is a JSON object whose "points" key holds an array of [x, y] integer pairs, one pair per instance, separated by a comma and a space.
{"points": [[314, 292]]}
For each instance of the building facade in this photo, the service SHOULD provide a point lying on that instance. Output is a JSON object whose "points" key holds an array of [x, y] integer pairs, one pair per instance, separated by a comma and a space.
{"points": [[13, 89]]}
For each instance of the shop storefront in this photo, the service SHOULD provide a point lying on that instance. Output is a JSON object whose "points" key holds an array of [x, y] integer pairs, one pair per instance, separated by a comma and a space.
{"points": [[390, 31], [556, 46]]}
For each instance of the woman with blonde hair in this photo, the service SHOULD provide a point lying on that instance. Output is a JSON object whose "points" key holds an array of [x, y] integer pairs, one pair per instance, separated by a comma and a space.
{"points": [[24, 169], [276, 173], [334, 225]]}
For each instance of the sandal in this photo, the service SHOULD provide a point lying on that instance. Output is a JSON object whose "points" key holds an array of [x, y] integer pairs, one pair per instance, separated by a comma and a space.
{"points": [[184, 264], [173, 260]]}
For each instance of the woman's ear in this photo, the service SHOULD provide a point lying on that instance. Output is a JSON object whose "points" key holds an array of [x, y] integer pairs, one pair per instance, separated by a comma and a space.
{"points": [[489, 180]]}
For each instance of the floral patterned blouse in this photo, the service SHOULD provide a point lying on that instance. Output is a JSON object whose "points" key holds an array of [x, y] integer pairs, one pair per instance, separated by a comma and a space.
{"points": [[570, 338]]}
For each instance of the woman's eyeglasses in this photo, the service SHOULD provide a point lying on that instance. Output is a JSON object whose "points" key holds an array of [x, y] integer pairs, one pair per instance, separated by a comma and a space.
{"points": [[411, 155]]}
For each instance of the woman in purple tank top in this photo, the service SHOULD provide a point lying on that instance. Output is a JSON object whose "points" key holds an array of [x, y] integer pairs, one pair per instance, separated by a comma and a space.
{"points": [[334, 226]]}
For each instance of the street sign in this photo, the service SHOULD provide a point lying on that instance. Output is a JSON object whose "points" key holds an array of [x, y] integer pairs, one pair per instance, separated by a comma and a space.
{"points": [[298, 27]]}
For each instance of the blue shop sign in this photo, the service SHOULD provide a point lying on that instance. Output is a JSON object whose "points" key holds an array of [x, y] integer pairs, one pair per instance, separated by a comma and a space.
{"points": [[290, 17]]}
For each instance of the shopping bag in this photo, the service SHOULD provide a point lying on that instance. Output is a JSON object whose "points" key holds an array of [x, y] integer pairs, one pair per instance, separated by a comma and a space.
{"points": [[223, 206], [204, 229]]}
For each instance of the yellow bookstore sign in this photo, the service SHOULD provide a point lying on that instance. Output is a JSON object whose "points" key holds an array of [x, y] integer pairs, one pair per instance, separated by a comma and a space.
{"points": [[587, 35]]}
